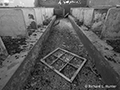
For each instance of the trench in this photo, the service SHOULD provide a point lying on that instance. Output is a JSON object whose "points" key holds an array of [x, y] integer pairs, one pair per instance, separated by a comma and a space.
{"points": [[43, 78]]}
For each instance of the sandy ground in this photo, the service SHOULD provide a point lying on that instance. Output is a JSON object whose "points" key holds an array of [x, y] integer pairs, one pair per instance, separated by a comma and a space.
{"points": [[43, 78]]}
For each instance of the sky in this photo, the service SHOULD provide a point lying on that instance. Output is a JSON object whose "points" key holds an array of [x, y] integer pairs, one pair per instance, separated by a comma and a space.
{"points": [[30, 3], [27, 3]]}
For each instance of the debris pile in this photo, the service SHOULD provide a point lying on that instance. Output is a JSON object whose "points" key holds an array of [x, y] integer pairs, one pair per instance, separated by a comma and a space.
{"points": [[2, 58], [3, 52], [46, 22], [13, 44], [115, 44]]}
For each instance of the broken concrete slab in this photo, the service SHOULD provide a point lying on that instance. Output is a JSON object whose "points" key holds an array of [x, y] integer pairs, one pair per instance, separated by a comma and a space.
{"points": [[30, 19], [83, 14], [111, 28], [88, 16], [80, 15], [42, 14], [98, 19], [39, 16], [12, 23]]}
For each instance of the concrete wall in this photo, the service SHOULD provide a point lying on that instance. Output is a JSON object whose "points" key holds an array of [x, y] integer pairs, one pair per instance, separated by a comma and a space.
{"points": [[22, 21], [12, 23], [106, 67], [3, 51], [83, 14], [88, 16], [30, 18], [94, 18], [111, 28], [42, 14], [98, 19], [16, 80]]}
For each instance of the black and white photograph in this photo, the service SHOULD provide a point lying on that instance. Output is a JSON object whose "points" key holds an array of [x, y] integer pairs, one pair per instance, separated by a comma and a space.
{"points": [[59, 44]]}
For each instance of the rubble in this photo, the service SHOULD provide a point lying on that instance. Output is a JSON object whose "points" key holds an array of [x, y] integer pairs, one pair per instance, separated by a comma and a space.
{"points": [[46, 21], [13, 44], [115, 44], [62, 36]]}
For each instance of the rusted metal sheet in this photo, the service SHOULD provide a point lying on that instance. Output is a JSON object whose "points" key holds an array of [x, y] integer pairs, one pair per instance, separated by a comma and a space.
{"points": [[109, 75], [20, 75]]}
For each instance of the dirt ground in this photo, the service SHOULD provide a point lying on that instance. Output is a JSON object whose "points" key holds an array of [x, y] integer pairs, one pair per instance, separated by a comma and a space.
{"points": [[13, 44], [43, 78]]}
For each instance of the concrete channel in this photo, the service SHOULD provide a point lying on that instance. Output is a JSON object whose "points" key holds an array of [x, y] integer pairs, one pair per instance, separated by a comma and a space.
{"points": [[109, 75], [20, 75], [20, 80], [105, 71], [42, 77]]}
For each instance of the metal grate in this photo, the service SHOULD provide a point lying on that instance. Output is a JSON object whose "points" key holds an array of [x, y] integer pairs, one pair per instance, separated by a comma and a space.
{"points": [[64, 63]]}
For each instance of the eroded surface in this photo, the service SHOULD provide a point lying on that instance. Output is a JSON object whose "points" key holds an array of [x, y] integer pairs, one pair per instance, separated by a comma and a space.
{"points": [[43, 78], [10, 65]]}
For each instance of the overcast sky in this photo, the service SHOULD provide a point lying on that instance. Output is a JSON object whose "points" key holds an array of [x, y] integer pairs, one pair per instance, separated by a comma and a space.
{"points": [[27, 3], [30, 3]]}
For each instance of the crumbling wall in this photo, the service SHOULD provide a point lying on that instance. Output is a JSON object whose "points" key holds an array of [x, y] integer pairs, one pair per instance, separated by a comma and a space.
{"points": [[111, 28], [14, 75], [12, 23], [93, 19], [79, 15], [30, 19], [43, 14], [84, 15], [88, 16], [98, 20]]}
